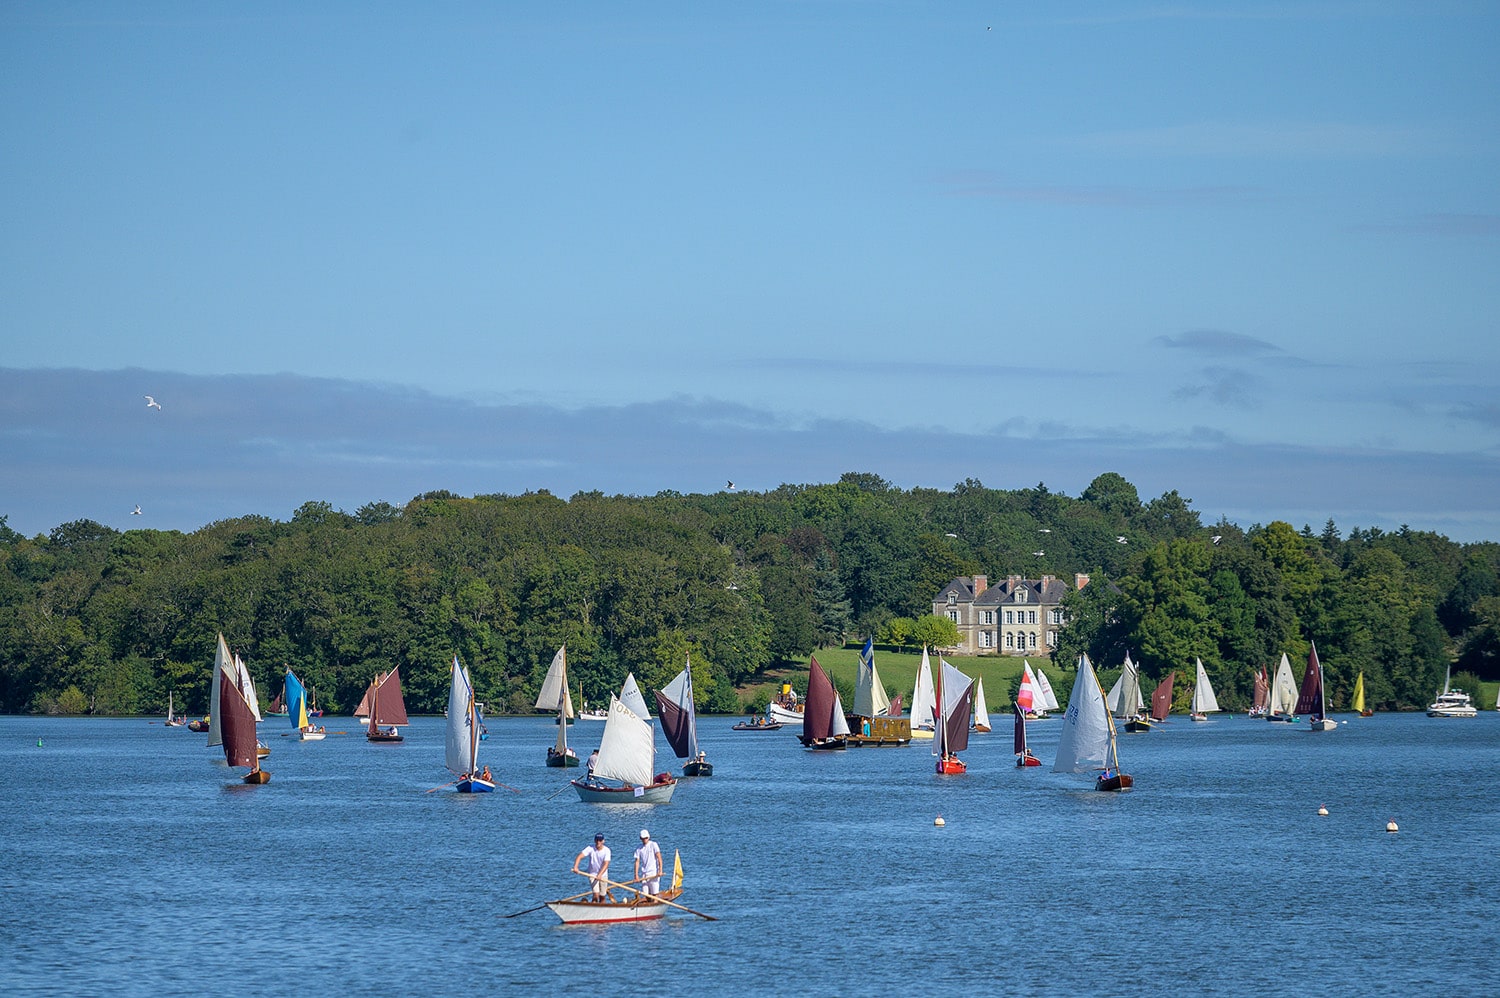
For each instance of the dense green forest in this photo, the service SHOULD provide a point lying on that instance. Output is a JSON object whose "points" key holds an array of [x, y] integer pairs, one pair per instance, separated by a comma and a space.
{"points": [[97, 620]]}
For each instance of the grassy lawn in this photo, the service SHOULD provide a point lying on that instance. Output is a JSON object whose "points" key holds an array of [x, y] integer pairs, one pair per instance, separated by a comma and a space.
{"points": [[898, 673]]}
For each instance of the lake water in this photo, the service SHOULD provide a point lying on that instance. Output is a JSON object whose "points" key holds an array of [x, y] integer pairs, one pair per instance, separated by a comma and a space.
{"points": [[134, 864]]}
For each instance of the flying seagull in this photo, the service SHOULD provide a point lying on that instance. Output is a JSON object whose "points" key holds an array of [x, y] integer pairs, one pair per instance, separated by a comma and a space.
{"points": [[951, 535], [1217, 538], [1044, 530], [136, 511], [729, 486], [151, 403], [1120, 539], [1038, 553]]}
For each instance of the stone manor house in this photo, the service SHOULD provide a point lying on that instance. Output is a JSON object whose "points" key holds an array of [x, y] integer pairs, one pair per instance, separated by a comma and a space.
{"points": [[1015, 617]]}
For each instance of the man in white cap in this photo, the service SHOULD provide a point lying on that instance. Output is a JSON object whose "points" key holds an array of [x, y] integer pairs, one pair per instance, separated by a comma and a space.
{"points": [[648, 864]]}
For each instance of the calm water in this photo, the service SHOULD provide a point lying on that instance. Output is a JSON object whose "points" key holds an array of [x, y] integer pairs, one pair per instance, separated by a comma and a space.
{"points": [[134, 865]]}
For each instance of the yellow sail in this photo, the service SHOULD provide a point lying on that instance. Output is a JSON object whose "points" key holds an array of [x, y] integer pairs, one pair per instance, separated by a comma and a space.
{"points": [[676, 870], [302, 713], [1359, 694]]}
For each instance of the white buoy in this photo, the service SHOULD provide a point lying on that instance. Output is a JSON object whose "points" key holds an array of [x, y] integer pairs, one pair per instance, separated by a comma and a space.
{"points": [[1323, 810], [1390, 826], [939, 821]]}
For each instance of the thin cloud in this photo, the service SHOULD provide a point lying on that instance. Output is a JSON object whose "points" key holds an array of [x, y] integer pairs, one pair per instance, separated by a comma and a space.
{"points": [[849, 367], [1226, 386], [1218, 343]]}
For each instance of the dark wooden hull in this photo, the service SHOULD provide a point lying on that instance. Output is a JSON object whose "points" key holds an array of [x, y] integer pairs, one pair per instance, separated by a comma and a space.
{"points": [[698, 769], [1120, 781], [385, 736], [875, 741], [817, 744], [1137, 727], [257, 776], [768, 726], [561, 761]]}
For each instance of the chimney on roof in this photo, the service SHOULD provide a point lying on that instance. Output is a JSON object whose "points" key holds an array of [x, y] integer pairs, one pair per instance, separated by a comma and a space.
{"points": [[981, 583], [1046, 579], [1012, 581], [1079, 580]]}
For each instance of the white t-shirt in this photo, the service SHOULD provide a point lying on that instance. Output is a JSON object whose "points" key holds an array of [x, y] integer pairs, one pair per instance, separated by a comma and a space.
{"points": [[597, 857], [649, 856]]}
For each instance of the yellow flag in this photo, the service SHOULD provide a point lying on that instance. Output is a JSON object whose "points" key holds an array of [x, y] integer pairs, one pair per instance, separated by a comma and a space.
{"points": [[676, 870]]}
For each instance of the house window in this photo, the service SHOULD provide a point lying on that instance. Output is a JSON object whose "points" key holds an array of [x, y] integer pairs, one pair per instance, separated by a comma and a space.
{"points": [[986, 639], [989, 616], [1010, 616], [1033, 621], [1021, 595], [953, 615], [952, 599], [1010, 640], [1053, 617], [1051, 639], [1033, 639]]}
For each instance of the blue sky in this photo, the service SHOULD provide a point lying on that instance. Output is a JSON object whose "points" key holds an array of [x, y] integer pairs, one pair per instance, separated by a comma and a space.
{"points": [[1248, 251]]}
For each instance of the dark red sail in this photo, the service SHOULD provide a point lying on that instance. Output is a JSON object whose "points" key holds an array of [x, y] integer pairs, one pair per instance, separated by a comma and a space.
{"points": [[1161, 698], [236, 725], [674, 724], [817, 714], [1310, 698], [1262, 690], [386, 705]]}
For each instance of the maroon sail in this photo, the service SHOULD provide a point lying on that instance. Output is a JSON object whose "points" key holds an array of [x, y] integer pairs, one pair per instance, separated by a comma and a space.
{"points": [[674, 724], [236, 725], [955, 699], [1020, 748], [817, 714], [1310, 698], [1161, 698], [1262, 691], [386, 705]]}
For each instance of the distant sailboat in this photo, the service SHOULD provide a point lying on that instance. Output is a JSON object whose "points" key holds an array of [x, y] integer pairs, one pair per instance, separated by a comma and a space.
{"points": [[461, 735], [870, 699], [922, 700], [1161, 698], [1204, 702], [223, 666], [679, 723], [1023, 753], [1358, 702], [823, 723], [627, 755], [237, 728], [387, 709], [981, 709], [1283, 696], [1125, 699], [294, 695], [954, 696], [1311, 699], [555, 696], [1028, 695], [878, 720], [172, 720], [1088, 743], [1261, 695]]}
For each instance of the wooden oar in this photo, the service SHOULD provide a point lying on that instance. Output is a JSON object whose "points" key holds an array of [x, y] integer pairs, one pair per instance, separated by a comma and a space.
{"points": [[558, 791], [661, 900], [544, 904]]}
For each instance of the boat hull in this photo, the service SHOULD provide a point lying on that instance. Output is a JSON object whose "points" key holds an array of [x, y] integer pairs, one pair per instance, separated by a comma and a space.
{"points": [[1198, 717], [785, 715], [257, 776], [385, 736], [475, 785], [1137, 727], [1323, 724], [1452, 712], [1027, 760], [1120, 781], [831, 743], [766, 726], [659, 792], [608, 912], [199, 726], [562, 761], [698, 769], [312, 736], [951, 767]]}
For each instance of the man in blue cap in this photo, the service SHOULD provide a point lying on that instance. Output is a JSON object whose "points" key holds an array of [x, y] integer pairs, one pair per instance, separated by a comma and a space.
{"points": [[598, 867]]}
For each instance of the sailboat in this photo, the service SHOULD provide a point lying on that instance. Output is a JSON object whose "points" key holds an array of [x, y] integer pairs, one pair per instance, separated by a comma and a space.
{"points": [[981, 709], [461, 735], [630, 696], [922, 700], [1125, 700], [1451, 702], [1048, 699], [387, 709], [1161, 699], [1029, 695], [294, 695], [555, 696], [953, 693], [627, 754], [680, 724], [1023, 753], [823, 723], [1262, 695], [236, 728], [277, 707], [1283, 694], [1311, 699], [1358, 701], [1204, 702], [1088, 741], [878, 722], [172, 721], [240, 677]]}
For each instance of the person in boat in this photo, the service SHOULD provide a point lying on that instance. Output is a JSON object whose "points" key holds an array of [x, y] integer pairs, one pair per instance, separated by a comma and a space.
{"points": [[593, 758], [486, 775], [648, 864], [598, 867]]}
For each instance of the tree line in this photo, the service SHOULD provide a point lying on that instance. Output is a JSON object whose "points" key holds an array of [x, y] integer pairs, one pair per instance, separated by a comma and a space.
{"points": [[98, 620]]}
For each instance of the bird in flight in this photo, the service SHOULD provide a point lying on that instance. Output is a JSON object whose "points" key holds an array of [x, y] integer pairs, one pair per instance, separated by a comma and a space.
{"points": [[1044, 530], [729, 486], [1217, 538], [950, 535], [1120, 539], [151, 403], [136, 511], [1038, 553]]}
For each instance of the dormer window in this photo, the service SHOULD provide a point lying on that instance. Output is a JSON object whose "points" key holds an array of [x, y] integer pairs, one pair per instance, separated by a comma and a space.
{"points": [[953, 599], [1021, 595]]}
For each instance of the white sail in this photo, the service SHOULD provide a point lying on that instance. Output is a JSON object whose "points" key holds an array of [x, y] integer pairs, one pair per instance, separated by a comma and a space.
{"points": [[1086, 728], [460, 747], [869, 692], [922, 698], [840, 722], [223, 663], [981, 709], [1048, 697], [680, 692], [1204, 701], [1029, 695], [627, 751], [247, 687], [1113, 700], [630, 696], [1283, 689], [1129, 701], [554, 694], [955, 685]]}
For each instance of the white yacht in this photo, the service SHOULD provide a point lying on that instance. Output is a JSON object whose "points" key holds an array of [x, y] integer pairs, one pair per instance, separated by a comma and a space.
{"points": [[1451, 703]]}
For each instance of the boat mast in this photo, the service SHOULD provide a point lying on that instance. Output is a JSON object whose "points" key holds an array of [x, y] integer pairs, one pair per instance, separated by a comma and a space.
{"points": [[1109, 724]]}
